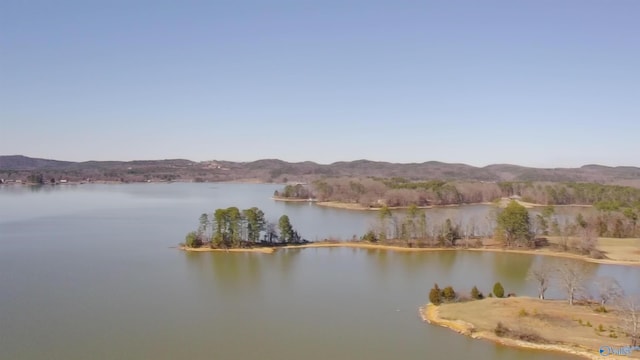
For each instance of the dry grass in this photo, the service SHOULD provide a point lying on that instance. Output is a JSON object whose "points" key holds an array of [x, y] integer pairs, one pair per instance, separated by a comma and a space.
{"points": [[620, 249], [627, 249], [554, 321]]}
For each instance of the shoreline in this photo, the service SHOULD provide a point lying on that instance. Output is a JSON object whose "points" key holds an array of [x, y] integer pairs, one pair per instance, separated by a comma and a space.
{"points": [[361, 245], [262, 250], [429, 314], [276, 198], [358, 207]]}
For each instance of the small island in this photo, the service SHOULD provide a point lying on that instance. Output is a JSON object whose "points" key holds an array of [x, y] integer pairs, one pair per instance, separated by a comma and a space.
{"points": [[232, 229], [607, 324]]}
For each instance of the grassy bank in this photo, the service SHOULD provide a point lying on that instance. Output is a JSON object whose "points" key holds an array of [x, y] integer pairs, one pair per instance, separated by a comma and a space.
{"points": [[551, 325]]}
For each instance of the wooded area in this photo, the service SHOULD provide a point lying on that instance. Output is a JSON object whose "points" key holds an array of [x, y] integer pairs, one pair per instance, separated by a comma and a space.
{"points": [[232, 228], [394, 192]]}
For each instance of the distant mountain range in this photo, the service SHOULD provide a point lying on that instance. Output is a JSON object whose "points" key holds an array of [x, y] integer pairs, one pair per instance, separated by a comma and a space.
{"points": [[272, 170]]}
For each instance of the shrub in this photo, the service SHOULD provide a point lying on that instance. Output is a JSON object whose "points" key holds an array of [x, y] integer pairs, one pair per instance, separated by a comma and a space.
{"points": [[523, 312], [476, 294], [601, 309], [600, 328], [530, 337], [370, 236], [498, 290], [448, 294], [613, 335], [490, 295], [501, 330], [589, 324], [580, 321], [192, 240], [435, 296]]}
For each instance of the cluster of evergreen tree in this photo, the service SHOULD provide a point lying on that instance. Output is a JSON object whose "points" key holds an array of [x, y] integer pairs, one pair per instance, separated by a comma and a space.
{"points": [[438, 296], [235, 228], [297, 191]]}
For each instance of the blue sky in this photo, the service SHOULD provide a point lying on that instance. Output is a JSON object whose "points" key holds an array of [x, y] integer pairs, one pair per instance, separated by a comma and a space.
{"points": [[546, 83]]}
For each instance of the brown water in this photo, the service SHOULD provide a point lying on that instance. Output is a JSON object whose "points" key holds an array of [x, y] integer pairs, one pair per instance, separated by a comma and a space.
{"points": [[88, 272]]}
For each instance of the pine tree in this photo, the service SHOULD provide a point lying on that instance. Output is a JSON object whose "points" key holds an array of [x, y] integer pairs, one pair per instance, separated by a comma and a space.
{"points": [[498, 290], [435, 296]]}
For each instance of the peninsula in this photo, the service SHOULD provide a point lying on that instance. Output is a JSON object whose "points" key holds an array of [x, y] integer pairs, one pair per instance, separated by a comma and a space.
{"points": [[551, 325]]}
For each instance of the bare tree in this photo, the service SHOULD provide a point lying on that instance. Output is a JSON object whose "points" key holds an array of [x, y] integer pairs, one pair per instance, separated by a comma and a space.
{"points": [[571, 276], [630, 316], [469, 230], [542, 275], [588, 240], [563, 232], [608, 289]]}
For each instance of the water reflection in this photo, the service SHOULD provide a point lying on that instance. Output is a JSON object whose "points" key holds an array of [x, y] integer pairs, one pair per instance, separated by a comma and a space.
{"points": [[511, 268]]}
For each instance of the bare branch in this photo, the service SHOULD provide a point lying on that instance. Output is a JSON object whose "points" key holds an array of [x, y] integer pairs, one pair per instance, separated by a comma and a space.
{"points": [[571, 276], [542, 275]]}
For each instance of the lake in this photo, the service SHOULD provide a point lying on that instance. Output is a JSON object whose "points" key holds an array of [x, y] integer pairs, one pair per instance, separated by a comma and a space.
{"points": [[91, 271]]}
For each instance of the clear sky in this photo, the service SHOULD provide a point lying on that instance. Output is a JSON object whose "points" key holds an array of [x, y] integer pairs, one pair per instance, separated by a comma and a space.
{"points": [[545, 83]]}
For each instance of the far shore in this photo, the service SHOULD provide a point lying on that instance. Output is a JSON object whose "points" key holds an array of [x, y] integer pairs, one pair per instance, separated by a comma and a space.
{"points": [[374, 246], [555, 321], [358, 207]]}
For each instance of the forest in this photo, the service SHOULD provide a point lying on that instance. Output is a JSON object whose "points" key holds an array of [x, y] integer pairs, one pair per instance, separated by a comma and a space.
{"points": [[400, 192]]}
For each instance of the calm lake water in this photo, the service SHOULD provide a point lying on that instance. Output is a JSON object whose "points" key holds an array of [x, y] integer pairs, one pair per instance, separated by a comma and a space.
{"points": [[90, 272]]}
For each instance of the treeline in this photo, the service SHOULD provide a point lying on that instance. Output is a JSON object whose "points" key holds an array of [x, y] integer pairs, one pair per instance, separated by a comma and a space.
{"points": [[233, 228], [513, 227], [393, 192], [414, 229]]}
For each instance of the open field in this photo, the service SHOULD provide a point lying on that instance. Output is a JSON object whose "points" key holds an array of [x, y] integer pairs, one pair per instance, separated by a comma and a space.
{"points": [[625, 249]]}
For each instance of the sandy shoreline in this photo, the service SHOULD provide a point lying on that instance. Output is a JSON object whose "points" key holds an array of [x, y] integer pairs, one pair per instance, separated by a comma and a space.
{"points": [[429, 314], [276, 198], [262, 250], [361, 245]]}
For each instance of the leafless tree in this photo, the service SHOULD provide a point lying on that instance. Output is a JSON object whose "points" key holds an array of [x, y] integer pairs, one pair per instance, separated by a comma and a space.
{"points": [[630, 316], [608, 289], [542, 275], [470, 230], [588, 240], [563, 231], [571, 276]]}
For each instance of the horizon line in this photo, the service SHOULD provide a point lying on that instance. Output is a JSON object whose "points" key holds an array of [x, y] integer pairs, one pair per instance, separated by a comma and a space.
{"points": [[328, 164]]}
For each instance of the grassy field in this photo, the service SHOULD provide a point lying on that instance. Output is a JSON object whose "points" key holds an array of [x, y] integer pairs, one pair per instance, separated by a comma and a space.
{"points": [[558, 326], [627, 249], [620, 249]]}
